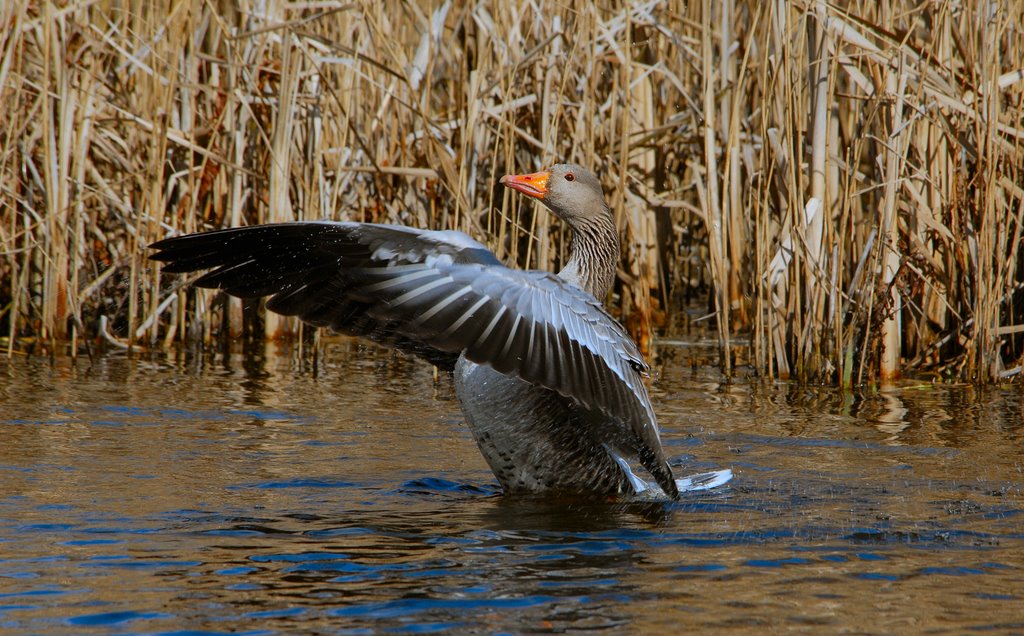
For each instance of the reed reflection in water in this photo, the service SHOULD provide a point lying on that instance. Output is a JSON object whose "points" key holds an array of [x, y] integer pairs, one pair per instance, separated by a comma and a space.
{"points": [[250, 494]]}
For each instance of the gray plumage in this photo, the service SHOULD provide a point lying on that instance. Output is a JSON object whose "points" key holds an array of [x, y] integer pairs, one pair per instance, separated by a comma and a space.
{"points": [[551, 385]]}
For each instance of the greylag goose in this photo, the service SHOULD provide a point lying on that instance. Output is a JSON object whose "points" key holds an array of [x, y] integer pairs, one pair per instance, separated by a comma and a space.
{"points": [[550, 384]]}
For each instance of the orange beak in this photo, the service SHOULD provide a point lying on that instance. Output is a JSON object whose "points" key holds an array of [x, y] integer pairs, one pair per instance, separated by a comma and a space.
{"points": [[532, 185]]}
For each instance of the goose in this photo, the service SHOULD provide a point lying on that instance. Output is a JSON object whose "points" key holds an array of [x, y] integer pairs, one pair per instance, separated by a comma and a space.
{"points": [[550, 384]]}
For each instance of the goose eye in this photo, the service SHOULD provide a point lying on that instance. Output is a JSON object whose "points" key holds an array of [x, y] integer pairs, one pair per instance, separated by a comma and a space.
{"points": [[570, 176]]}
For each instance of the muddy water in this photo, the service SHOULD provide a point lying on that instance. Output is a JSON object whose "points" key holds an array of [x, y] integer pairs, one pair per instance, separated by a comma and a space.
{"points": [[260, 495]]}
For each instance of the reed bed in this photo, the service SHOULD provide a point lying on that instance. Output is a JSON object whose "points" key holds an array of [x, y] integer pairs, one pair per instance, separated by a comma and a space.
{"points": [[841, 182]]}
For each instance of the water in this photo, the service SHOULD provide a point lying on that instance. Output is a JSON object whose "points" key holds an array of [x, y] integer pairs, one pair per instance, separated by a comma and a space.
{"points": [[175, 494]]}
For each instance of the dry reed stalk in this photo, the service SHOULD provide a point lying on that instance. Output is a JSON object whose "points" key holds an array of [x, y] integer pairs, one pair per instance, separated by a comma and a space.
{"points": [[847, 173], [713, 206], [889, 251], [729, 121]]}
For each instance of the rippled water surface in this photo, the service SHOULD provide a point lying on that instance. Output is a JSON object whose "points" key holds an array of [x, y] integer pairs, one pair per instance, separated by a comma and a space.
{"points": [[251, 495]]}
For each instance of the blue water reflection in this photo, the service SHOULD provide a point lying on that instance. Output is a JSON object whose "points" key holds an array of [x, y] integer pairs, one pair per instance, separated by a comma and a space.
{"points": [[175, 495]]}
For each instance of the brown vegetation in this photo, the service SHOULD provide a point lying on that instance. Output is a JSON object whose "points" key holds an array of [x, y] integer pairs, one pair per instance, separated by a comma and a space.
{"points": [[844, 180]]}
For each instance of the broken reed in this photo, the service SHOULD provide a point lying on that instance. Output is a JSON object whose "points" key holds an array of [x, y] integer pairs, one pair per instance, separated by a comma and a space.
{"points": [[843, 179]]}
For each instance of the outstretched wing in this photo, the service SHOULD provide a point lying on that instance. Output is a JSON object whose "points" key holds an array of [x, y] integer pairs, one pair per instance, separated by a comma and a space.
{"points": [[436, 294], [310, 269]]}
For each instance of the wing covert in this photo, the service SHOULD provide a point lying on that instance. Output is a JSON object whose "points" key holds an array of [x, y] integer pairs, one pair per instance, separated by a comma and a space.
{"points": [[435, 294]]}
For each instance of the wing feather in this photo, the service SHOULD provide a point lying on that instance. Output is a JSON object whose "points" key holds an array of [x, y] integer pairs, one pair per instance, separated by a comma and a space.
{"points": [[436, 294]]}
